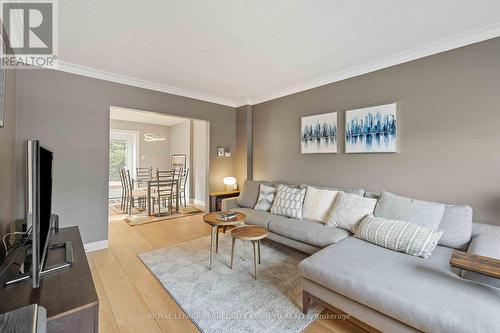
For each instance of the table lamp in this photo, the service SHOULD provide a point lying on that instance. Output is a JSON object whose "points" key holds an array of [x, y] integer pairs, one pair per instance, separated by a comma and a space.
{"points": [[230, 183]]}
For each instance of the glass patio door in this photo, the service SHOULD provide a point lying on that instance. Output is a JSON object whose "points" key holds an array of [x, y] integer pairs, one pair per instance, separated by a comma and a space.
{"points": [[122, 154]]}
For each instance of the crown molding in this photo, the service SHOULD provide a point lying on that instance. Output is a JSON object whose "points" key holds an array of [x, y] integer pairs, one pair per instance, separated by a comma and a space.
{"points": [[72, 68], [471, 37]]}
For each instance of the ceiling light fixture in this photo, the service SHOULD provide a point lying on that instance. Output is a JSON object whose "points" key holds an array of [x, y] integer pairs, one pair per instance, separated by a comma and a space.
{"points": [[152, 137]]}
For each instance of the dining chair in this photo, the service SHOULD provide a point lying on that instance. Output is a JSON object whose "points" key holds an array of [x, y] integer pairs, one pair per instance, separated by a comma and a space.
{"points": [[183, 176], [132, 194], [143, 175], [163, 190], [124, 190]]}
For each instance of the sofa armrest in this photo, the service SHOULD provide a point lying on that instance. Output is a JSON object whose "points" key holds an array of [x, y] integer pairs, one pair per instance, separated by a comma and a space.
{"points": [[229, 203], [483, 228], [488, 245]]}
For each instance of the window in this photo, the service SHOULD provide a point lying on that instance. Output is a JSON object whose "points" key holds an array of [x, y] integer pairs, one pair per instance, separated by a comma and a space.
{"points": [[122, 154]]}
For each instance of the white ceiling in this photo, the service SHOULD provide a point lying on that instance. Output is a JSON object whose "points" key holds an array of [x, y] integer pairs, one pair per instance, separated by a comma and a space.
{"points": [[238, 51], [137, 116]]}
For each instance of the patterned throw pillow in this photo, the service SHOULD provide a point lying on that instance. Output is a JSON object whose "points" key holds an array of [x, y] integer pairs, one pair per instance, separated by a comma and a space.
{"points": [[266, 198], [288, 201], [349, 210], [399, 236]]}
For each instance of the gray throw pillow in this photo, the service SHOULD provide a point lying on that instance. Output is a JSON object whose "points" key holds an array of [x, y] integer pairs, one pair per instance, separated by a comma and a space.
{"points": [[398, 236], [266, 198], [288, 201], [422, 213], [457, 226]]}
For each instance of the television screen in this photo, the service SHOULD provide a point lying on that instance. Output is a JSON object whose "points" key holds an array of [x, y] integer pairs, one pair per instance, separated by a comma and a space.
{"points": [[39, 205], [45, 200]]}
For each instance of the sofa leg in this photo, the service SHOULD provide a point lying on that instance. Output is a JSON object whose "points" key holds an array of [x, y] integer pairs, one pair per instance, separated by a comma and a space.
{"points": [[306, 300]]}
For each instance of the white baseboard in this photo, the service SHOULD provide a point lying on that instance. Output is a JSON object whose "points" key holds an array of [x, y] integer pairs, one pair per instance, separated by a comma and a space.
{"points": [[95, 246], [199, 202]]}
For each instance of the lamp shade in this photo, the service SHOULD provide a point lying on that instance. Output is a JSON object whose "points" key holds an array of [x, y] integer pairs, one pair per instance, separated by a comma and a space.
{"points": [[229, 180]]}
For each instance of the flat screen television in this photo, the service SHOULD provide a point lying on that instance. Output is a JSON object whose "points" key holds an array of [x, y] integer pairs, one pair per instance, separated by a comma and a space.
{"points": [[39, 205]]}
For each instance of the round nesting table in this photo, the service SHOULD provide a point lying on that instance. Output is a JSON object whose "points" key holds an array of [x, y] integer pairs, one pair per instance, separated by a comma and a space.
{"points": [[215, 224], [253, 234]]}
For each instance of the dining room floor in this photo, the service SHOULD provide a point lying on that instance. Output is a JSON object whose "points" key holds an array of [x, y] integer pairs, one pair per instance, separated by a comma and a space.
{"points": [[132, 300]]}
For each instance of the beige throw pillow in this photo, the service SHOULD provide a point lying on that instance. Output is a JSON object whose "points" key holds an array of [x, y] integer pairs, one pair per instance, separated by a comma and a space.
{"points": [[349, 210], [318, 204]]}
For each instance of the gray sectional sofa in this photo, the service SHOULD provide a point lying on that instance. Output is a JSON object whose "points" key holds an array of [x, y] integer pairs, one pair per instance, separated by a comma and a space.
{"points": [[386, 290]]}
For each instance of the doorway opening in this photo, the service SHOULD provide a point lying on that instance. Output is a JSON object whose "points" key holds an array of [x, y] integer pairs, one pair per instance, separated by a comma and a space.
{"points": [[148, 150]]}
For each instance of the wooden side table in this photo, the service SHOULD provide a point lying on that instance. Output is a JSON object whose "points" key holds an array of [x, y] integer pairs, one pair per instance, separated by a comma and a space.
{"points": [[253, 234], [212, 220], [216, 199], [475, 263]]}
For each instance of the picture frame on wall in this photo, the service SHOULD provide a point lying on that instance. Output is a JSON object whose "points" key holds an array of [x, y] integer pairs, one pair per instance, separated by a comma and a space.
{"points": [[178, 161], [220, 151], [319, 134], [372, 129]]}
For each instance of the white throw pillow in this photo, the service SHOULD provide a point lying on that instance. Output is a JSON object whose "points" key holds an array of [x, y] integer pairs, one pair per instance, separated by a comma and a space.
{"points": [[349, 210], [266, 198], [399, 236], [288, 201], [318, 204]]}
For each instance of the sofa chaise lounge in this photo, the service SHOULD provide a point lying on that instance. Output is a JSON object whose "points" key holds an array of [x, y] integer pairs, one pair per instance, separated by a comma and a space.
{"points": [[384, 290]]}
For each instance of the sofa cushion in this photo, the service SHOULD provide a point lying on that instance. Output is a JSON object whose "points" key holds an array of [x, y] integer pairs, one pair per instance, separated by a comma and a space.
{"points": [[488, 245], [316, 234], [422, 213], [357, 191], [288, 201], [255, 217], [423, 293], [318, 203], [349, 210], [373, 195], [266, 198], [250, 193], [456, 225], [398, 236]]}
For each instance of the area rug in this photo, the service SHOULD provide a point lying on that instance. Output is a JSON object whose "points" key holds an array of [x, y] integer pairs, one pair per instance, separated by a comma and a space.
{"points": [[140, 217], [225, 300]]}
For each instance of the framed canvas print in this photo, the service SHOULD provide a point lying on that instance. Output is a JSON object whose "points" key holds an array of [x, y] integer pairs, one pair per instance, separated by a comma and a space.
{"points": [[178, 161], [319, 134], [372, 130]]}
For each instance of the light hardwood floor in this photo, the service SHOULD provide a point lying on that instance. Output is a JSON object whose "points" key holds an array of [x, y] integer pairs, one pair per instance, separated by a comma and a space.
{"points": [[129, 294]]}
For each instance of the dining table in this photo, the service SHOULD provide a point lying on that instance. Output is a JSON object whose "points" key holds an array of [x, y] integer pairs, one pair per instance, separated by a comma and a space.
{"points": [[154, 182]]}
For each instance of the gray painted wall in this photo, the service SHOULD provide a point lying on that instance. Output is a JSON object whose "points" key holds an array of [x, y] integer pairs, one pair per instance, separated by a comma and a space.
{"points": [[70, 114], [151, 154], [449, 124], [7, 150], [243, 152], [179, 139], [199, 160]]}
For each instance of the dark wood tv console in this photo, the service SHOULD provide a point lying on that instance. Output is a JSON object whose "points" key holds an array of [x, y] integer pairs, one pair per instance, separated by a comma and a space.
{"points": [[69, 296]]}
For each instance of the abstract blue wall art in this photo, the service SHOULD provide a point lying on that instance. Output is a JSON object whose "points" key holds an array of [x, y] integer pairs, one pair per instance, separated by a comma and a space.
{"points": [[371, 130], [319, 134]]}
